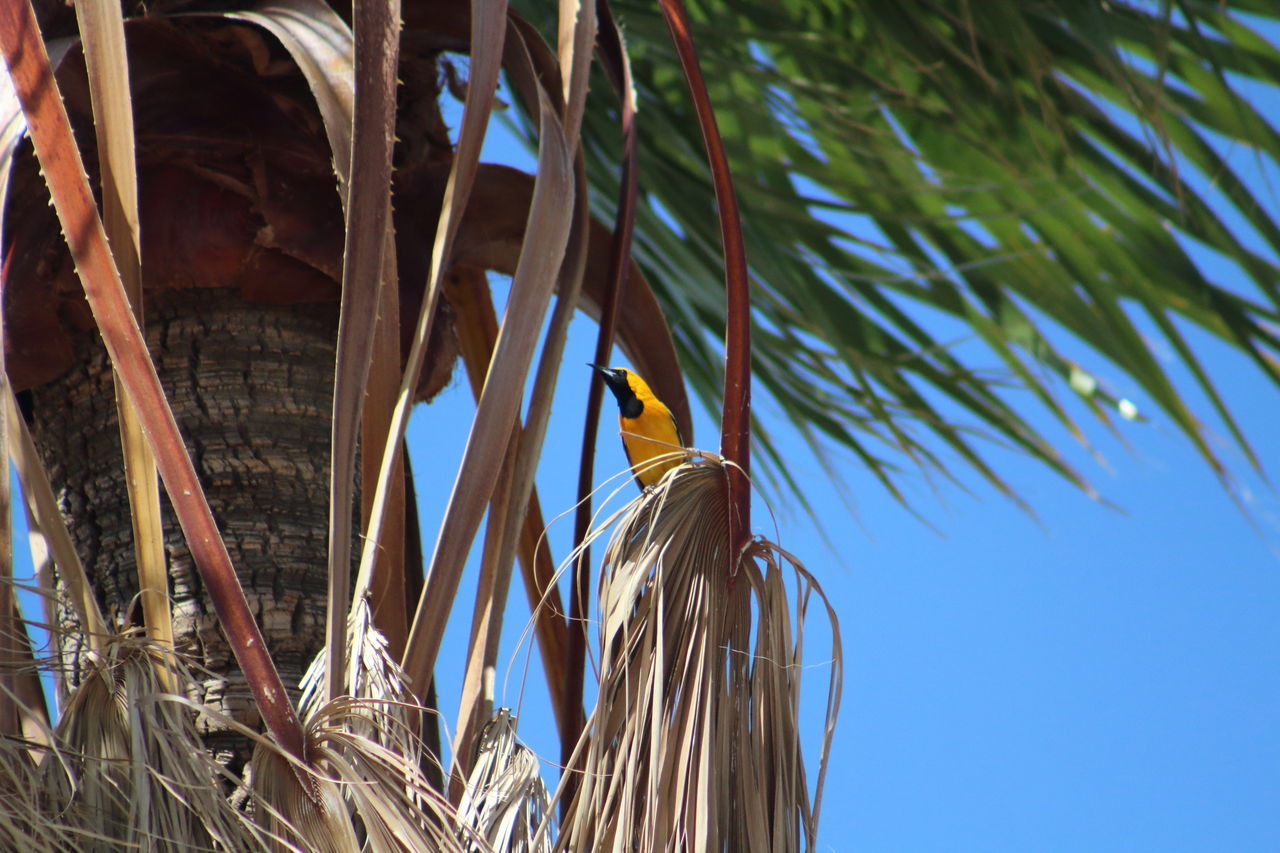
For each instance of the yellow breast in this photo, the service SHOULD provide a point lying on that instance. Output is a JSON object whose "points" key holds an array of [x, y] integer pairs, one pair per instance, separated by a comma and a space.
{"points": [[652, 444], [651, 440]]}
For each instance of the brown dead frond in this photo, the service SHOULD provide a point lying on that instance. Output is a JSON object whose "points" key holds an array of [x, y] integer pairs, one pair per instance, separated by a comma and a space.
{"points": [[360, 796], [505, 801], [127, 770], [298, 817], [388, 713], [24, 823], [694, 743]]}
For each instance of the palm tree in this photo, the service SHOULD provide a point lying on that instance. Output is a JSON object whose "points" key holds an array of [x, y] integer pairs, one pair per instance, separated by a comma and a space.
{"points": [[1008, 167]]}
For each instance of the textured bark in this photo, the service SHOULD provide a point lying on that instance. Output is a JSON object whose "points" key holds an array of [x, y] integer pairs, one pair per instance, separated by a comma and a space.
{"points": [[242, 255], [251, 387]]}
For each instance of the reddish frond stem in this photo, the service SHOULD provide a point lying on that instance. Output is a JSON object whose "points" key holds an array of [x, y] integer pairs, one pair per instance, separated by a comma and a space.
{"points": [[735, 444]]}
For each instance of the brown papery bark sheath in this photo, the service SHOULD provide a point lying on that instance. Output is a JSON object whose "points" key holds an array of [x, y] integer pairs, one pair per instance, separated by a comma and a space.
{"points": [[609, 41], [735, 438], [64, 173]]}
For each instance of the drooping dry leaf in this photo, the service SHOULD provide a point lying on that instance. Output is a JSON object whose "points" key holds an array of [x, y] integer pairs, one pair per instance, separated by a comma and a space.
{"points": [[127, 769], [358, 787], [323, 47], [505, 802], [368, 209], [507, 510], [694, 742], [477, 326]]}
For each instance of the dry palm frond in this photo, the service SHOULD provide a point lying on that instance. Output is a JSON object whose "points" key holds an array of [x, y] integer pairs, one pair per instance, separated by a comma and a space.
{"points": [[323, 47], [127, 769], [26, 823], [368, 288], [488, 25], [298, 818], [540, 261], [358, 789], [387, 710], [694, 743], [514, 491], [505, 801], [102, 38]]}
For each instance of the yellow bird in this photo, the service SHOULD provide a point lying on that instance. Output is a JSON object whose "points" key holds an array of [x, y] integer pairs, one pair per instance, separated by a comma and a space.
{"points": [[649, 432]]}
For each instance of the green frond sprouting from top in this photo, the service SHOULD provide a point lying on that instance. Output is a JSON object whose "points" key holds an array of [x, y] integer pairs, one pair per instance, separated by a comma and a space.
{"points": [[916, 177]]}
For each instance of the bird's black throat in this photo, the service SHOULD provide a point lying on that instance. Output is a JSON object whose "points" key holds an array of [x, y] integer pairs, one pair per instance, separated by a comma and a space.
{"points": [[630, 407], [628, 403]]}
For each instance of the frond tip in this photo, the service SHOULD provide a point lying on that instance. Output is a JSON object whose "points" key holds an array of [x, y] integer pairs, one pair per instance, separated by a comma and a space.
{"points": [[505, 802], [360, 795], [695, 739]]}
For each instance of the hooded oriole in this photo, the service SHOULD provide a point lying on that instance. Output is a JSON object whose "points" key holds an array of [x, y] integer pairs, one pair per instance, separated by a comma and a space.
{"points": [[650, 436]]}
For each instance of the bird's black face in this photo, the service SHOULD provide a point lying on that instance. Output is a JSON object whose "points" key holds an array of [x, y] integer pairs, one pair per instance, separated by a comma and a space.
{"points": [[616, 379]]}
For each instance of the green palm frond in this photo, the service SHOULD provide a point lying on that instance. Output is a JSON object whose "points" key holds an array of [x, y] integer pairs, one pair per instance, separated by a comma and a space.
{"points": [[916, 175]]}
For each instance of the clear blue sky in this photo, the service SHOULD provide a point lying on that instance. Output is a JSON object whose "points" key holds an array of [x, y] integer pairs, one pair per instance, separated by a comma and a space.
{"points": [[1092, 679]]}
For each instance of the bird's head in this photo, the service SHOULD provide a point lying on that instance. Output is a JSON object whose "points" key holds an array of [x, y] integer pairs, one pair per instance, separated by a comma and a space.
{"points": [[623, 384]]}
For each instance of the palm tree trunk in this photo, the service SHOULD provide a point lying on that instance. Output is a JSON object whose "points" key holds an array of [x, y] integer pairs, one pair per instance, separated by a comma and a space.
{"points": [[251, 387]]}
